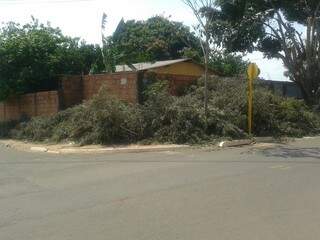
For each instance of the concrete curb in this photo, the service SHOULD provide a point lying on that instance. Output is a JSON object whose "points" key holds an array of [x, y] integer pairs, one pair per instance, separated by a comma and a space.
{"points": [[258, 140], [140, 149], [38, 149], [273, 140], [236, 143], [6, 145], [67, 149]]}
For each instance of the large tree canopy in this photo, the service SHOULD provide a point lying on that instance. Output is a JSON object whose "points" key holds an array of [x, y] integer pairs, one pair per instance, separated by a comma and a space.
{"points": [[161, 39], [33, 54], [271, 27], [155, 39]]}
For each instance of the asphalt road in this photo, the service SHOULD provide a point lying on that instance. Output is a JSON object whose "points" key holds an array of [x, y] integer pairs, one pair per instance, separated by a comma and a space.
{"points": [[235, 194]]}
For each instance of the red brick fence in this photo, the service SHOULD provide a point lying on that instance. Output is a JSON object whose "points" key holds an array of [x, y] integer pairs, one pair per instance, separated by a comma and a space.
{"points": [[30, 105], [74, 89]]}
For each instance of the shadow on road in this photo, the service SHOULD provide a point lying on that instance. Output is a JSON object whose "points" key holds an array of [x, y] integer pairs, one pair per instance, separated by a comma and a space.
{"points": [[285, 152]]}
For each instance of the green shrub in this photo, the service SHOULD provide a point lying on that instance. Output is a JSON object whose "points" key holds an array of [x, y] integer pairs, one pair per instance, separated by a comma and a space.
{"points": [[181, 119], [6, 128], [101, 120], [165, 118], [104, 120], [273, 115], [38, 129], [296, 119]]}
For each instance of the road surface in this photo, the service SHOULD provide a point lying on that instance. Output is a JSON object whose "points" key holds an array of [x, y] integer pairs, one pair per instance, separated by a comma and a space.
{"points": [[245, 193]]}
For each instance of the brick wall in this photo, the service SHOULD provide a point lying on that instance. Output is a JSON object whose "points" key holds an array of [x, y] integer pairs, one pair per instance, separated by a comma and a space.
{"points": [[71, 91], [12, 109], [121, 85], [2, 111], [47, 103], [75, 89], [30, 105]]}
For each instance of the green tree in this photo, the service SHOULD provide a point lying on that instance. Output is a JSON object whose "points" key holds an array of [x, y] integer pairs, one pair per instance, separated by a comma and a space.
{"points": [[110, 53], [271, 27], [32, 55], [210, 45], [227, 65], [155, 39]]}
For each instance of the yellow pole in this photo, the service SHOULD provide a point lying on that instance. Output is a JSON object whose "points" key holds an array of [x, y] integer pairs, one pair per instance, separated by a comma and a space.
{"points": [[252, 73], [250, 105]]}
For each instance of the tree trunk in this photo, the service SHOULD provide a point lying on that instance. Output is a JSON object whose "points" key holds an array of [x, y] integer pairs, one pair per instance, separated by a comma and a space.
{"points": [[308, 96], [301, 56], [206, 73]]}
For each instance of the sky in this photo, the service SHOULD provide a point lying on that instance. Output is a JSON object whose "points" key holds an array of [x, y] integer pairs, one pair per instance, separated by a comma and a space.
{"points": [[82, 18]]}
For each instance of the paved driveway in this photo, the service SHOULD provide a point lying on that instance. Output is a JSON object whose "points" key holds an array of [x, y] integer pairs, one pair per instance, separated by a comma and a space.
{"points": [[245, 193]]}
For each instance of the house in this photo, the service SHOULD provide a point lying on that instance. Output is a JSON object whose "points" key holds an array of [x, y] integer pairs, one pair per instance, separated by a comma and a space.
{"points": [[185, 67], [179, 73]]}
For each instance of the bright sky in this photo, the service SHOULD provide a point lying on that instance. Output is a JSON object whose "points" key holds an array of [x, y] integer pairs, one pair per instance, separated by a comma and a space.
{"points": [[82, 18]]}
